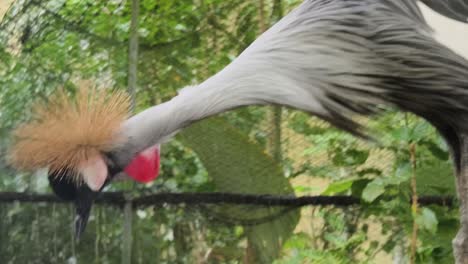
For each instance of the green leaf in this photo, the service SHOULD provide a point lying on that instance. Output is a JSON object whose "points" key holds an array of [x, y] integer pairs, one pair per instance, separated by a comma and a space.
{"points": [[338, 187], [427, 220], [420, 130], [373, 190], [436, 150], [402, 174]]}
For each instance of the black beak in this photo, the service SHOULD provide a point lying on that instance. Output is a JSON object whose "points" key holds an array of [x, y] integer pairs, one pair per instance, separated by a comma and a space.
{"points": [[82, 196], [83, 202]]}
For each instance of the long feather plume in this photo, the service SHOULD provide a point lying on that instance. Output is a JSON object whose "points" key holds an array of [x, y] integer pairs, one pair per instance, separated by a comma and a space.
{"points": [[66, 131]]}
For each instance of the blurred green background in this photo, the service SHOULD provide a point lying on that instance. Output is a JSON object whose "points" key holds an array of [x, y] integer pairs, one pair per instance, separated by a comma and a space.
{"points": [[45, 45]]}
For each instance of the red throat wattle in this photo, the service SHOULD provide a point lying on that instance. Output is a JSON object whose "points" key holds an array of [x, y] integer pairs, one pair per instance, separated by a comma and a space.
{"points": [[144, 167]]}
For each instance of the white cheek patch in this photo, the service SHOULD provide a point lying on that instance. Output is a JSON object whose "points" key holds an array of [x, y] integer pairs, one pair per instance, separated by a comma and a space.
{"points": [[94, 172]]}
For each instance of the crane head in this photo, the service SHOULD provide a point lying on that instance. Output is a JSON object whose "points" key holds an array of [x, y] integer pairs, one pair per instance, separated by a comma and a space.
{"points": [[96, 174], [75, 137]]}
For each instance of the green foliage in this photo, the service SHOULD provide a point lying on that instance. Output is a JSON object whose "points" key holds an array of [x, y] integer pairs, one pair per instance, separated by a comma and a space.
{"points": [[351, 173], [339, 243], [48, 44]]}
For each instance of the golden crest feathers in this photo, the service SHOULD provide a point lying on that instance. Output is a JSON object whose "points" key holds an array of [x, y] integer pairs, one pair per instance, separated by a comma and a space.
{"points": [[66, 131]]}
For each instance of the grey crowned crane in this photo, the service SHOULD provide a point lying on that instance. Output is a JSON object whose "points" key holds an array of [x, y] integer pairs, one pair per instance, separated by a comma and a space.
{"points": [[334, 59]]}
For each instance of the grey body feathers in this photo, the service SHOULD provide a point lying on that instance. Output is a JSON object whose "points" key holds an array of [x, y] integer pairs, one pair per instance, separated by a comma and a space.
{"points": [[335, 59]]}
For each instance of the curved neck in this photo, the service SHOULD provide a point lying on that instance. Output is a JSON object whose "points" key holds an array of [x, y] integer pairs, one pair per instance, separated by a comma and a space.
{"points": [[159, 123], [253, 82]]}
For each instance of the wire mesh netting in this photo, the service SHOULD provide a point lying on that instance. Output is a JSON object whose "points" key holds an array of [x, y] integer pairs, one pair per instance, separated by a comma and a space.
{"points": [[250, 151]]}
